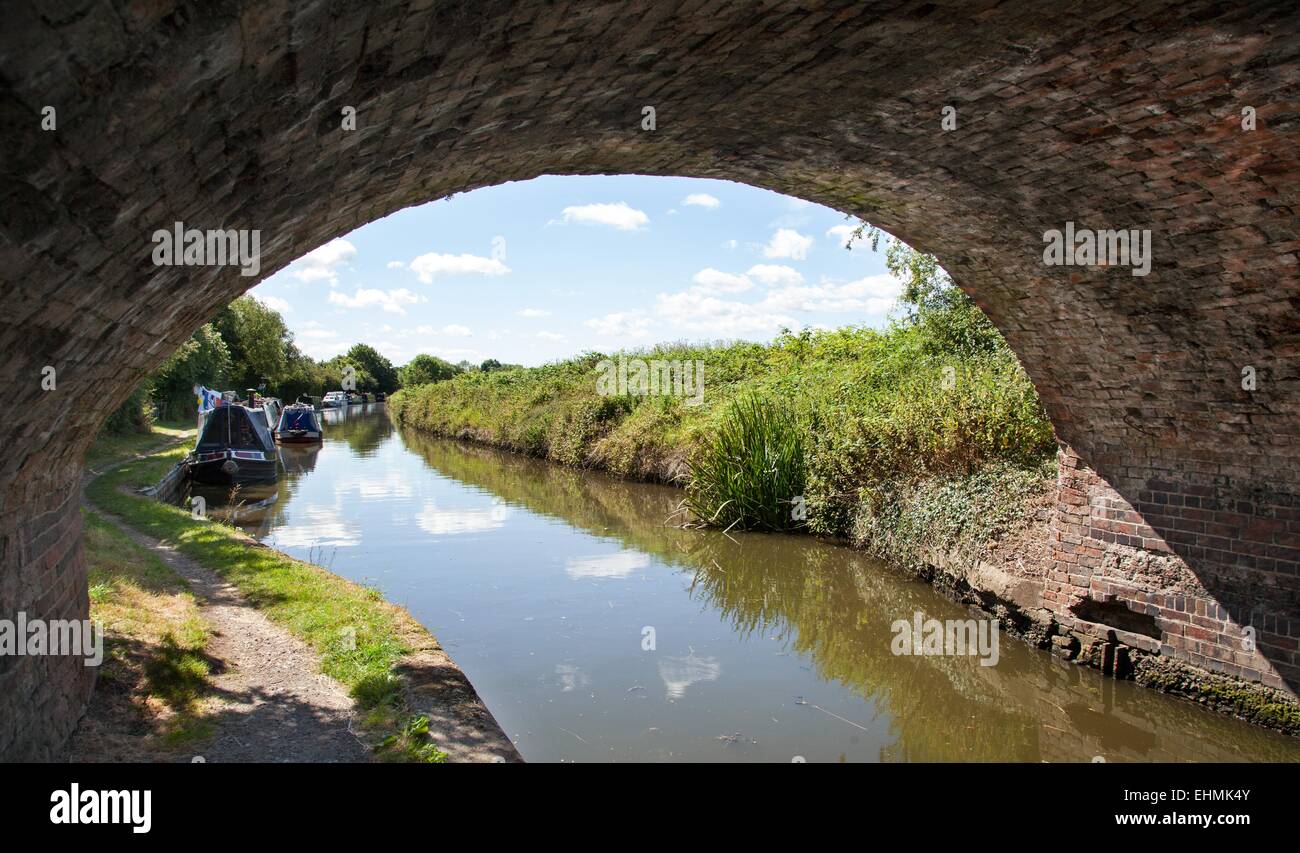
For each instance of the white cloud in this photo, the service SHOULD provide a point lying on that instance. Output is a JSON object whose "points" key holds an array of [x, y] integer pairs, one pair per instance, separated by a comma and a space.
{"points": [[618, 565], [679, 673], [841, 233], [433, 264], [775, 275], [873, 295], [533, 312], [550, 336], [699, 310], [452, 522], [317, 526], [696, 310], [772, 275], [323, 346], [455, 354], [625, 325], [788, 243], [457, 331], [620, 215], [721, 281], [571, 678], [395, 265], [389, 300], [730, 244], [702, 200], [275, 303], [324, 262]]}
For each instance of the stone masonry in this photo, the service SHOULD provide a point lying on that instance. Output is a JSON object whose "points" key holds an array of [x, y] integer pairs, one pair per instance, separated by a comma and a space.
{"points": [[1178, 518]]}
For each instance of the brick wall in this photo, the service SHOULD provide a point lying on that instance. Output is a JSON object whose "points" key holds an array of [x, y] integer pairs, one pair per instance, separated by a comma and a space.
{"points": [[1108, 115], [43, 697], [1108, 549]]}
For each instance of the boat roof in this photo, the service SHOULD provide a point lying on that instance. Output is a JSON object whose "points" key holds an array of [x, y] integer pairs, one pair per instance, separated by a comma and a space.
{"points": [[233, 426]]}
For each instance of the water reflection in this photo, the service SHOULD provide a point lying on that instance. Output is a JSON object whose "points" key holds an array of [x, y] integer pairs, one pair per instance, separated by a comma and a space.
{"points": [[617, 565], [833, 606], [681, 672], [542, 581]]}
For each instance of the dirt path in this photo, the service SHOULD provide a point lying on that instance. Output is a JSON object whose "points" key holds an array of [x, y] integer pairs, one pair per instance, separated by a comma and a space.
{"points": [[274, 703]]}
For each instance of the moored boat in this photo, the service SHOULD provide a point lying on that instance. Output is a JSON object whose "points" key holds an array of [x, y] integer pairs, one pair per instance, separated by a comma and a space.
{"points": [[272, 407], [298, 424], [235, 446]]}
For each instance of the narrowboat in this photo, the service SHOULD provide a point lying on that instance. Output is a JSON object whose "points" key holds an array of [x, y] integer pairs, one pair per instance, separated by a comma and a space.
{"points": [[333, 400], [235, 446], [272, 407], [298, 424]]}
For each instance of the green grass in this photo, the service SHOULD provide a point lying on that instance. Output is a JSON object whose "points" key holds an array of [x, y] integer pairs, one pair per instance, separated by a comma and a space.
{"points": [[110, 447], [358, 637], [870, 413], [155, 635], [750, 473]]}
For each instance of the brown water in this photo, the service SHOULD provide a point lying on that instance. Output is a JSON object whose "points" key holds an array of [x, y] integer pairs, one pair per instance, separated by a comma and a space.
{"points": [[541, 582]]}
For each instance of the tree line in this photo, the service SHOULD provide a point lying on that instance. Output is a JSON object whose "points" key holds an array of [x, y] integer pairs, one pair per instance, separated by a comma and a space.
{"points": [[248, 345]]}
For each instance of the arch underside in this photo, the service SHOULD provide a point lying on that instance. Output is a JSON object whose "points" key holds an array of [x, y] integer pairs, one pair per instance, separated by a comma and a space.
{"points": [[1176, 482]]}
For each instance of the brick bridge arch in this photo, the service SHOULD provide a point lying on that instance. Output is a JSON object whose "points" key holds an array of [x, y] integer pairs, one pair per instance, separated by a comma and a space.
{"points": [[1178, 488]]}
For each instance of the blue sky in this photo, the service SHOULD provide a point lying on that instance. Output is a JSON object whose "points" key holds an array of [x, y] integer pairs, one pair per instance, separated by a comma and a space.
{"points": [[539, 270]]}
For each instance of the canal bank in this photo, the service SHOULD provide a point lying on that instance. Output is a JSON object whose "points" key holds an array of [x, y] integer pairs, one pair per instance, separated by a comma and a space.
{"points": [[542, 581], [305, 665], [981, 538]]}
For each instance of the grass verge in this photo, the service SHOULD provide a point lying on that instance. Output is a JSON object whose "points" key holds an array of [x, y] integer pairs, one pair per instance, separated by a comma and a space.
{"points": [[154, 664], [113, 447], [826, 431], [358, 636]]}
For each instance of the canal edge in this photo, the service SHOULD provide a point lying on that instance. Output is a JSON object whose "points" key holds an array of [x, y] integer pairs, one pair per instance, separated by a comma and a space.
{"points": [[432, 684]]}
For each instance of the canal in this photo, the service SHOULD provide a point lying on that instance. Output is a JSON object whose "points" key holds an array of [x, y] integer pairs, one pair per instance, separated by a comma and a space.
{"points": [[595, 631]]}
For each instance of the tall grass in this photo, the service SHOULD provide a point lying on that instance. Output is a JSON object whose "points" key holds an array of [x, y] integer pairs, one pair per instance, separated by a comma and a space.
{"points": [[873, 411], [750, 473]]}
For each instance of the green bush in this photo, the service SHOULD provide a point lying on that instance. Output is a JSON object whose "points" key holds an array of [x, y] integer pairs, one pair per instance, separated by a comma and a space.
{"points": [[133, 416]]}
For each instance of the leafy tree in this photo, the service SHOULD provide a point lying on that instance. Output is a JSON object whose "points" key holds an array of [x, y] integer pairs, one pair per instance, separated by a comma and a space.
{"points": [[490, 365], [424, 369], [304, 376], [258, 341], [931, 300], [382, 376], [334, 371], [132, 416], [202, 360]]}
